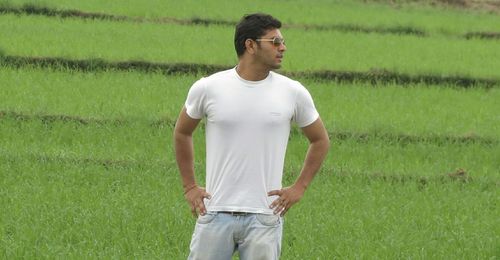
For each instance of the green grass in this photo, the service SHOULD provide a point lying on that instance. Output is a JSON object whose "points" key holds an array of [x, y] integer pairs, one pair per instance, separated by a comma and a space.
{"points": [[435, 21], [74, 210], [108, 187], [72, 190], [80, 210], [143, 143], [356, 218], [112, 190], [73, 38], [357, 108], [415, 110], [101, 95]]}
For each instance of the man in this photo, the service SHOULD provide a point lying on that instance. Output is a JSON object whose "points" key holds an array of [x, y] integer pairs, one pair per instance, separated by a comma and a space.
{"points": [[248, 112]]}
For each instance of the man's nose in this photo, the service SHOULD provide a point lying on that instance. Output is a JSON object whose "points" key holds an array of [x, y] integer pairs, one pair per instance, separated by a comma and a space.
{"points": [[282, 47]]}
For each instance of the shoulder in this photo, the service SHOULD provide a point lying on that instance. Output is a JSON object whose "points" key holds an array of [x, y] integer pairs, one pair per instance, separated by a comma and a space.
{"points": [[205, 83], [291, 84], [281, 78], [217, 77]]}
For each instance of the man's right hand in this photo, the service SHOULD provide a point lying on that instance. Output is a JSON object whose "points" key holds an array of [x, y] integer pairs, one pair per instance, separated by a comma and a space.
{"points": [[195, 197]]}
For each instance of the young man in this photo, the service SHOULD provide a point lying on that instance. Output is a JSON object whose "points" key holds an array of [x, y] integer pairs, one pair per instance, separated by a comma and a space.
{"points": [[248, 112]]}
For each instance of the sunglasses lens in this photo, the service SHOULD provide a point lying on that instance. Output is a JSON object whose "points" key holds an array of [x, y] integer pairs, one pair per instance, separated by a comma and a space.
{"points": [[278, 41]]}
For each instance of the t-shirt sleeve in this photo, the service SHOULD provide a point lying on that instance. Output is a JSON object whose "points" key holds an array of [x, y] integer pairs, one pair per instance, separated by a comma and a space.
{"points": [[305, 112], [196, 99]]}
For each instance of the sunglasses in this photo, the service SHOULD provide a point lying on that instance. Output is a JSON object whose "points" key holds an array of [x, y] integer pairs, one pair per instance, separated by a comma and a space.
{"points": [[275, 40]]}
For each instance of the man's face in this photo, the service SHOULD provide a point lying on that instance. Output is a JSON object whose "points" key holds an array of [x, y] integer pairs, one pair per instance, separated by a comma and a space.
{"points": [[270, 53]]}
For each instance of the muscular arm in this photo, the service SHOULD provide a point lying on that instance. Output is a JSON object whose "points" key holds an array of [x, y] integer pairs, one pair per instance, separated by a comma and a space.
{"points": [[319, 144], [184, 154]]}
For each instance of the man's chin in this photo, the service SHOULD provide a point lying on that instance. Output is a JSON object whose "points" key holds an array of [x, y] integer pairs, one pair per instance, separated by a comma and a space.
{"points": [[276, 66]]}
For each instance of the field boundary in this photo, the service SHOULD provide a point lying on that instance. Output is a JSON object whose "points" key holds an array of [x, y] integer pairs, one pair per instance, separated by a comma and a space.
{"points": [[404, 139], [401, 139], [460, 176], [107, 163], [31, 9], [374, 76], [489, 6], [50, 119], [86, 65]]}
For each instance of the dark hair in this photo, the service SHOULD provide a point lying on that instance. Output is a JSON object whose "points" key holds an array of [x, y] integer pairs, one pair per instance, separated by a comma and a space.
{"points": [[252, 26]]}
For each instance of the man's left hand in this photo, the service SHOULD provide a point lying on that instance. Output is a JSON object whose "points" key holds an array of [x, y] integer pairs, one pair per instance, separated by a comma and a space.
{"points": [[287, 197]]}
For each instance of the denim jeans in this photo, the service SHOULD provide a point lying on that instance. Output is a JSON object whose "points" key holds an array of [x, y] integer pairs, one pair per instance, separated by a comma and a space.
{"points": [[219, 235]]}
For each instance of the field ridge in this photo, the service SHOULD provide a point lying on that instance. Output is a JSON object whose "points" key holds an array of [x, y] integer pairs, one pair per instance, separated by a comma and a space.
{"points": [[457, 176], [31, 9], [374, 76], [334, 135]]}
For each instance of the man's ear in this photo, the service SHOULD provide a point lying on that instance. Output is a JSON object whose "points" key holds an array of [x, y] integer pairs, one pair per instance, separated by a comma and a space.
{"points": [[250, 46]]}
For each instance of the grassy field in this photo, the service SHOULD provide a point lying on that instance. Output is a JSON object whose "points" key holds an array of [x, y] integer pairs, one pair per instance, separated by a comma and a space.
{"points": [[82, 210], [357, 108], [75, 38], [112, 191], [147, 142], [87, 167], [323, 12]]}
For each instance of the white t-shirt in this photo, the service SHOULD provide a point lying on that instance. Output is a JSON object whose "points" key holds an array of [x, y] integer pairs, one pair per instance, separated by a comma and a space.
{"points": [[247, 130]]}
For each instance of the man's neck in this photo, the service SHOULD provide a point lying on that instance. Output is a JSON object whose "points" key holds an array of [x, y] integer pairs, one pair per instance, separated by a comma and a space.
{"points": [[251, 73]]}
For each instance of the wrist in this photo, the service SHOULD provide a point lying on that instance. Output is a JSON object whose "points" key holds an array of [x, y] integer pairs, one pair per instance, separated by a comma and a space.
{"points": [[187, 188], [301, 186]]}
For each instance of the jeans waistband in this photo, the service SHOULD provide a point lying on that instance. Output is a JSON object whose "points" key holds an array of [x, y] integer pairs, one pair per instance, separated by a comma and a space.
{"points": [[236, 213]]}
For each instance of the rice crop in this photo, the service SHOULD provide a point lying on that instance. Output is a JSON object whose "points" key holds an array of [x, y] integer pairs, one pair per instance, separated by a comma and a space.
{"points": [[432, 20], [70, 210], [414, 110], [45, 36], [87, 165]]}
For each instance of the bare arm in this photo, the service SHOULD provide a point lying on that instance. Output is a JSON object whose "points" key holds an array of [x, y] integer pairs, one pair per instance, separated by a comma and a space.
{"points": [[319, 144], [184, 154]]}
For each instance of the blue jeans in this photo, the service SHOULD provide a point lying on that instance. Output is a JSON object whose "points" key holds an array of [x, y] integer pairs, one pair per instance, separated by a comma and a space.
{"points": [[218, 235]]}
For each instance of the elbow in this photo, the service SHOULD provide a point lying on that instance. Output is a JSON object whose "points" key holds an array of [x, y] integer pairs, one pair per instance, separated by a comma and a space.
{"points": [[182, 136], [322, 144], [326, 144]]}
